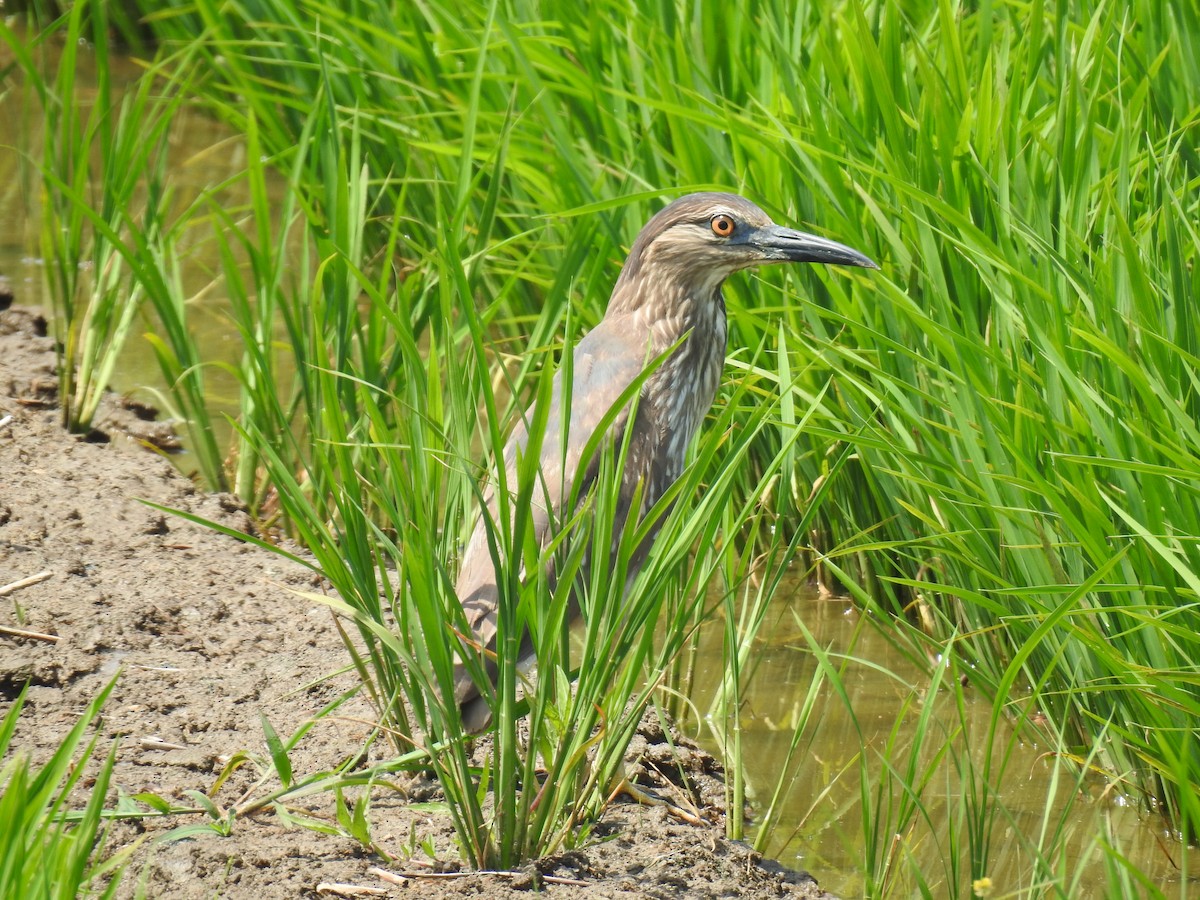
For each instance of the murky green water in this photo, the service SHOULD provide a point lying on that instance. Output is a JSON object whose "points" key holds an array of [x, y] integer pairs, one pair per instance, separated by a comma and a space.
{"points": [[822, 828]]}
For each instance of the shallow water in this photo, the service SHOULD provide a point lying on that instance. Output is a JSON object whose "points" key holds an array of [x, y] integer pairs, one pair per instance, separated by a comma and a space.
{"points": [[821, 829]]}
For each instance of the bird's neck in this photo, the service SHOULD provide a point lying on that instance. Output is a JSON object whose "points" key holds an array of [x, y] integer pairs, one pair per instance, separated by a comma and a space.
{"points": [[700, 319], [682, 390]]}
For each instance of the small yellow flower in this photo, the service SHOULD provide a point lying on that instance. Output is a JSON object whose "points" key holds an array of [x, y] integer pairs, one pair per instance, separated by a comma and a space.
{"points": [[982, 887]]}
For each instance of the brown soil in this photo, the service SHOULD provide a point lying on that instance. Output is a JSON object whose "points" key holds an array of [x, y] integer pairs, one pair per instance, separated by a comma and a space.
{"points": [[208, 638]]}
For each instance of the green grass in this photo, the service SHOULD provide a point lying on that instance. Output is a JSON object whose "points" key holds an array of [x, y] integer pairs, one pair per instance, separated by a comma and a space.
{"points": [[388, 486], [46, 850], [1002, 424], [103, 195]]}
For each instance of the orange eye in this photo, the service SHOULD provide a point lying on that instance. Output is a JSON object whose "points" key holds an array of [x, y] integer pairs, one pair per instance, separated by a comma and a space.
{"points": [[723, 225]]}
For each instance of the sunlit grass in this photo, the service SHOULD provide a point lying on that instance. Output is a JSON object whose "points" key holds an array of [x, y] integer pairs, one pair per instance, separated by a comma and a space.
{"points": [[391, 481], [104, 196], [1002, 423], [46, 849]]}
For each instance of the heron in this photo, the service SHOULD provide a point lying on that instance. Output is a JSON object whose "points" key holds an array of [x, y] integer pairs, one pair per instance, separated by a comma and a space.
{"points": [[667, 298]]}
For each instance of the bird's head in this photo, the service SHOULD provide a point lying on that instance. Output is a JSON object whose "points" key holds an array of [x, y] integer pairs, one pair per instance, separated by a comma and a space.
{"points": [[699, 240]]}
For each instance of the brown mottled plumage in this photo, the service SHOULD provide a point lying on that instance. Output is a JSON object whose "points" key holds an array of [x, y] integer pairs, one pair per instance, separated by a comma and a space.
{"points": [[669, 287]]}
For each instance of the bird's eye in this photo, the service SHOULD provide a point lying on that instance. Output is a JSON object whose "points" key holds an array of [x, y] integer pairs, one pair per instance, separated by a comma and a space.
{"points": [[723, 226]]}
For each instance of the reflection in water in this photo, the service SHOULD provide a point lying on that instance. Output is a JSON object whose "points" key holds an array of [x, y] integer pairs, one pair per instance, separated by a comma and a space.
{"points": [[822, 827]]}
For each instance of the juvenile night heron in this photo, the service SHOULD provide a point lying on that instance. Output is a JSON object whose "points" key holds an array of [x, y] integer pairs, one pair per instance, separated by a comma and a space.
{"points": [[669, 289]]}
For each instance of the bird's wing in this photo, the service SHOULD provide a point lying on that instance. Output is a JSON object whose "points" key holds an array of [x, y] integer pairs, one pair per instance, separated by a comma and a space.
{"points": [[604, 364]]}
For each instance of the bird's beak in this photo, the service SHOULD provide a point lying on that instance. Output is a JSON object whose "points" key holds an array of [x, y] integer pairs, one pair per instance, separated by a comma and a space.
{"points": [[779, 244]]}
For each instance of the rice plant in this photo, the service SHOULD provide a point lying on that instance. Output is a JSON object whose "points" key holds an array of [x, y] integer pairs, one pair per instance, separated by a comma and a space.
{"points": [[45, 849], [1011, 410], [103, 159], [388, 487]]}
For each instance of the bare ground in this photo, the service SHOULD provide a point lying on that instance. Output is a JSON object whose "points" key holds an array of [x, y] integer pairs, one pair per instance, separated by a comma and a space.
{"points": [[208, 638]]}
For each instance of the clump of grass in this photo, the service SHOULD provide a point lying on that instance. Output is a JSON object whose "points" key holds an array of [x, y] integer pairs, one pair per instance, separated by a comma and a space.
{"points": [[103, 184], [46, 850], [1014, 401], [1022, 412], [390, 484]]}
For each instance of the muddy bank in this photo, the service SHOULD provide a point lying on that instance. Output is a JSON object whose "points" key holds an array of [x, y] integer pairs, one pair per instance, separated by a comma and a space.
{"points": [[208, 639]]}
